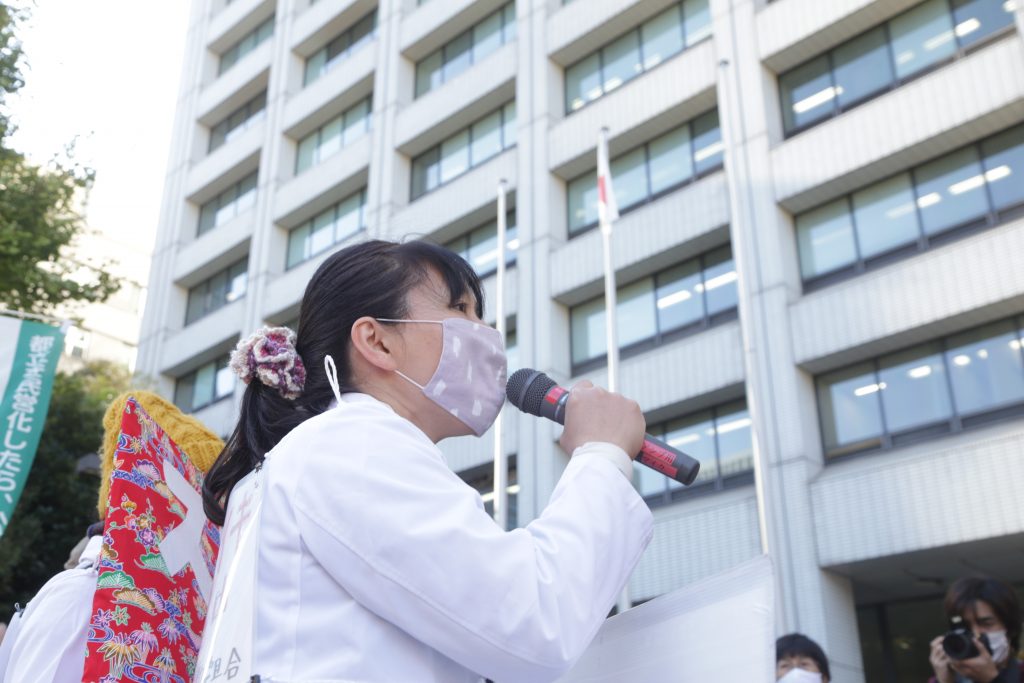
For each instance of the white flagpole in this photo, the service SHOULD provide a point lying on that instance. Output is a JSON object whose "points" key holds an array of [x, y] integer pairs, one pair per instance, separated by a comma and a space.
{"points": [[608, 211], [500, 461]]}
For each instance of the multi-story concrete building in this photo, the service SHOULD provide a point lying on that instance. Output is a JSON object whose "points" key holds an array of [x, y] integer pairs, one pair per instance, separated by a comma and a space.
{"points": [[817, 256], [109, 331]]}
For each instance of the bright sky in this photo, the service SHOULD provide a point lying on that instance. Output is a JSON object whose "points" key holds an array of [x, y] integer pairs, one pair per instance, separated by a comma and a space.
{"points": [[105, 72]]}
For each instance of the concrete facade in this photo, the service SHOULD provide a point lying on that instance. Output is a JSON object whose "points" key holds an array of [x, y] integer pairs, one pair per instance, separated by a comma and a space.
{"points": [[842, 533]]}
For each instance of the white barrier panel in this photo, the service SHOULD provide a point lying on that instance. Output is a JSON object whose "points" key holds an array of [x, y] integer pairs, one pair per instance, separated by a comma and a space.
{"points": [[718, 629]]}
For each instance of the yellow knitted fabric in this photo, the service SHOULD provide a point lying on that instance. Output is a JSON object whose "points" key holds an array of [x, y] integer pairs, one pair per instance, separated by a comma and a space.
{"points": [[191, 435]]}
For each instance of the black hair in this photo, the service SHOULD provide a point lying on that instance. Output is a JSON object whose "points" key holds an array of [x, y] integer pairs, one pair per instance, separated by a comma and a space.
{"points": [[373, 279], [964, 593], [799, 645]]}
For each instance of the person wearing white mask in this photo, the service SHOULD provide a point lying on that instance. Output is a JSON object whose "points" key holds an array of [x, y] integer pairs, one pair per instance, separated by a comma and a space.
{"points": [[989, 609], [798, 659], [376, 562]]}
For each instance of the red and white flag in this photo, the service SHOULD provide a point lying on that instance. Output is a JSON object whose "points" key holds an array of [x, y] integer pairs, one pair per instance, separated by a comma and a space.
{"points": [[607, 208], [155, 575]]}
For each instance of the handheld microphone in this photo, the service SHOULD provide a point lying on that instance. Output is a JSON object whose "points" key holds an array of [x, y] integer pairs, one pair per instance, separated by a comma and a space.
{"points": [[535, 393]]}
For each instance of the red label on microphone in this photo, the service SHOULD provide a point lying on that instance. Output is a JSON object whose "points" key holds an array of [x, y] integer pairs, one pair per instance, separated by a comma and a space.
{"points": [[659, 459], [555, 394]]}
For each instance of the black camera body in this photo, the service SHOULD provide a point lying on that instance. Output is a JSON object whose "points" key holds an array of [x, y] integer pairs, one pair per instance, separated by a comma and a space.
{"points": [[958, 643]]}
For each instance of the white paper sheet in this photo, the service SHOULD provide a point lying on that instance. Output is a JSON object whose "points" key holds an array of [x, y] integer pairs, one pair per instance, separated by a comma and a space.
{"points": [[719, 629]]}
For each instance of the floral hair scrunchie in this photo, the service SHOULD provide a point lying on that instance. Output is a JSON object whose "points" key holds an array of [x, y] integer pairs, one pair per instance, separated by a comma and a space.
{"points": [[269, 355]]}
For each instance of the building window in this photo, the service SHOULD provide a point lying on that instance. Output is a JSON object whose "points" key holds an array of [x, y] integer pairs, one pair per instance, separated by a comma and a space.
{"points": [[217, 292], [340, 48], [719, 438], [466, 49], [932, 388], [460, 152], [250, 42], [238, 198], [239, 121], [680, 156], [684, 298], [482, 479], [885, 57], [329, 138], [480, 246], [205, 385], [653, 42], [327, 228], [971, 187]]}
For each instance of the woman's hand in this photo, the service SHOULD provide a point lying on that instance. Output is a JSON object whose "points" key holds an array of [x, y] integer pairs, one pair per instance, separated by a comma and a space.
{"points": [[593, 414], [981, 668], [940, 662]]}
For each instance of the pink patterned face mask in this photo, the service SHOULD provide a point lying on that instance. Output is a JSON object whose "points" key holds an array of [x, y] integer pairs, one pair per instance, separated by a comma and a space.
{"points": [[470, 378]]}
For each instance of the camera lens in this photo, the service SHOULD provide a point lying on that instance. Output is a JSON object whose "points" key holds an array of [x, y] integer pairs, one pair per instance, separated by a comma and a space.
{"points": [[959, 645]]}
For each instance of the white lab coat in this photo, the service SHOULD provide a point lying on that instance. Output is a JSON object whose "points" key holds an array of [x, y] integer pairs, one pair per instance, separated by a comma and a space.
{"points": [[378, 564], [46, 643]]}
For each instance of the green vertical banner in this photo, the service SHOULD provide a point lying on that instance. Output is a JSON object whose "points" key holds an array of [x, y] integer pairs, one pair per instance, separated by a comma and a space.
{"points": [[29, 352]]}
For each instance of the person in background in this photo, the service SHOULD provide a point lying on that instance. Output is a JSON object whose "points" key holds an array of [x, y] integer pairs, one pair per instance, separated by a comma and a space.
{"points": [[987, 607], [798, 659], [47, 641]]}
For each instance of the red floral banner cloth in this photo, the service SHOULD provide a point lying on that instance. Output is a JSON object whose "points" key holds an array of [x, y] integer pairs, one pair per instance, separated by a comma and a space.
{"points": [[156, 566]]}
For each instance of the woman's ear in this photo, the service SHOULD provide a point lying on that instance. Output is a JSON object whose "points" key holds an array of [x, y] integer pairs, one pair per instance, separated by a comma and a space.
{"points": [[374, 342]]}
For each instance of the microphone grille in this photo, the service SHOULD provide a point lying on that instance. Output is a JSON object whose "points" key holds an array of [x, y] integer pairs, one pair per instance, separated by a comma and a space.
{"points": [[527, 388]]}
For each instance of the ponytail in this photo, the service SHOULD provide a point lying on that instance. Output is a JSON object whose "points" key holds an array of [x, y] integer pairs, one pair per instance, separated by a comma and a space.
{"points": [[368, 279]]}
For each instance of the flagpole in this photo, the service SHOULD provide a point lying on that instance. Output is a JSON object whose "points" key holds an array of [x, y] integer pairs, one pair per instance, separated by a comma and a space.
{"points": [[610, 299], [607, 211], [500, 461]]}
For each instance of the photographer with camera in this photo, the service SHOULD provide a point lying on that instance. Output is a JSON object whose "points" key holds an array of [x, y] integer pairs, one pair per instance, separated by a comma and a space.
{"points": [[981, 645]]}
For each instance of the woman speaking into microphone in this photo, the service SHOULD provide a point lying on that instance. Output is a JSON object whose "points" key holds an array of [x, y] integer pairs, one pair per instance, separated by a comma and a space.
{"points": [[376, 563]]}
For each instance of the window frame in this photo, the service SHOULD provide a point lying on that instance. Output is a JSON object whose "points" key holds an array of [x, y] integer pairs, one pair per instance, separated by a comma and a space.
{"points": [[957, 423], [244, 125], [331, 62], [660, 337], [209, 305], [471, 30], [340, 117], [468, 130], [569, 111], [670, 495], [463, 249], [694, 177], [236, 46], [334, 208], [837, 110], [217, 201], [993, 217], [220, 363]]}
